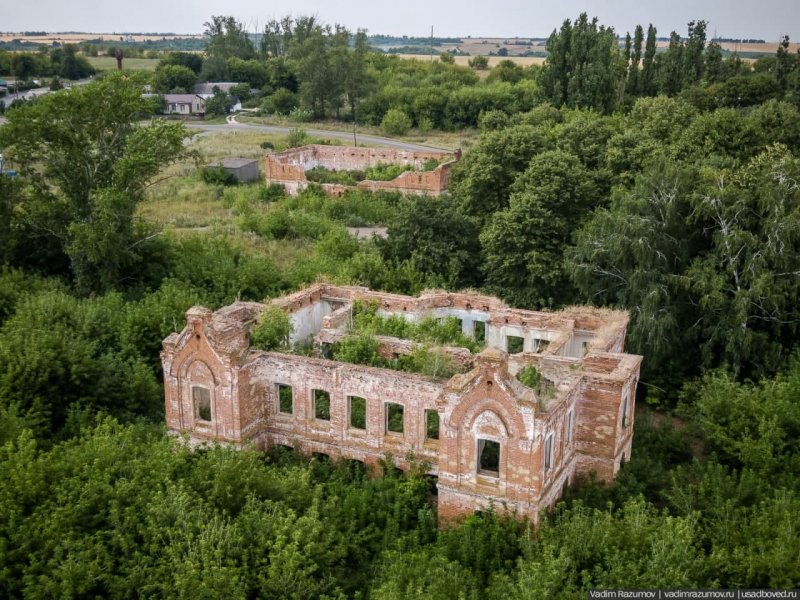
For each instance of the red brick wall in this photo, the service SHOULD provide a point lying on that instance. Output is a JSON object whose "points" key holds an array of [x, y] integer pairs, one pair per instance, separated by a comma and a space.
{"points": [[486, 403], [288, 168]]}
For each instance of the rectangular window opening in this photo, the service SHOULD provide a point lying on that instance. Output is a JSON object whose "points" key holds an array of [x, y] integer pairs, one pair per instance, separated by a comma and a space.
{"points": [[625, 408], [322, 405], [514, 344], [285, 400], [489, 458], [540, 345], [479, 331], [358, 412], [394, 418], [431, 425], [570, 422], [201, 397], [548, 452]]}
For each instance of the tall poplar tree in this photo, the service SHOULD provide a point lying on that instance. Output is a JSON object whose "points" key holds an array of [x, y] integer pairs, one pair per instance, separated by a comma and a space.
{"points": [[648, 85], [633, 87]]}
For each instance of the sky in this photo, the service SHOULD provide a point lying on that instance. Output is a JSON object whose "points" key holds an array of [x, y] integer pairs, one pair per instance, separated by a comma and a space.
{"points": [[761, 19]]}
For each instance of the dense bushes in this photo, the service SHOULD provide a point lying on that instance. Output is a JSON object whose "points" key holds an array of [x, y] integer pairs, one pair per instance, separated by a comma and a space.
{"points": [[217, 176], [217, 521], [272, 330]]}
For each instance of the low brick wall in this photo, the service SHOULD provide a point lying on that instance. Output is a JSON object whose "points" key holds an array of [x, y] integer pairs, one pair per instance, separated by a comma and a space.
{"points": [[289, 169]]}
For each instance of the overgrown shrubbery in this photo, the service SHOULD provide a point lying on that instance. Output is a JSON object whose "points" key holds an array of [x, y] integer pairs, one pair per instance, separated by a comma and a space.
{"points": [[445, 331], [217, 176], [395, 122], [323, 175], [361, 346], [386, 171], [272, 330]]}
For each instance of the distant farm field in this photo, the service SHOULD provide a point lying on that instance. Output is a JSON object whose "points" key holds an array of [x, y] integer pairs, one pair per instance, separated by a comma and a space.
{"points": [[76, 38], [108, 63], [517, 46]]}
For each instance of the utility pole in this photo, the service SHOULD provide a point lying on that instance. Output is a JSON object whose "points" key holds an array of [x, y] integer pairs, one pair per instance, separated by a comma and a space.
{"points": [[431, 44]]}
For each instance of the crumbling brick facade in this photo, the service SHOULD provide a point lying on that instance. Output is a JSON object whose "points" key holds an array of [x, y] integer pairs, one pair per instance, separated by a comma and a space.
{"points": [[218, 388], [289, 169]]}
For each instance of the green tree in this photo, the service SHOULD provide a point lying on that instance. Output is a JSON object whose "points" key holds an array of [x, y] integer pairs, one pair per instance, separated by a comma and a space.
{"points": [[649, 85], [86, 161], [436, 239], [746, 284], [633, 255], [253, 73], [277, 37], [184, 59], [272, 330], [633, 86], [281, 102], [713, 68], [23, 65], [523, 245], [218, 105], [169, 78], [693, 55], [583, 68], [671, 66], [227, 38], [506, 70], [316, 54], [358, 82], [783, 62], [59, 353], [396, 122], [479, 63], [482, 178]]}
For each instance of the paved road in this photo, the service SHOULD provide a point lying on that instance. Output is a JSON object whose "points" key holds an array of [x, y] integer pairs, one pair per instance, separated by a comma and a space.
{"points": [[36, 92], [233, 125]]}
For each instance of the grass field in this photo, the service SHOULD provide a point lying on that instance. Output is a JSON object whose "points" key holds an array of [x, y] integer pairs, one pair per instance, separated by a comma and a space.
{"points": [[182, 203], [437, 139], [181, 200], [109, 63]]}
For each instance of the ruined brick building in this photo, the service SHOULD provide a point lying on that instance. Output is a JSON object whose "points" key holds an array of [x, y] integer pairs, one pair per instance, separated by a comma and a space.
{"points": [[289, 168], [486, 436]]}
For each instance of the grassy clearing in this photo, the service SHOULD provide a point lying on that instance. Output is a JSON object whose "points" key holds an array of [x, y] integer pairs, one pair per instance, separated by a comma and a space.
{"points": [[439, 139], [109, 63], [181, 200]]}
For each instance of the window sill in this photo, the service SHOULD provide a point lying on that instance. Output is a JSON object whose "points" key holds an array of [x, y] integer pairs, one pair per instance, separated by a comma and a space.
{"points": [[488, 478]]}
